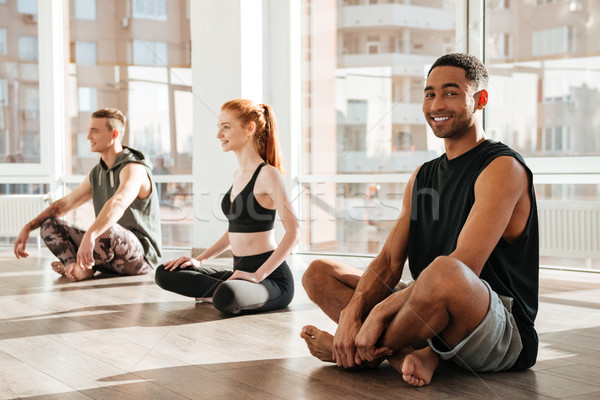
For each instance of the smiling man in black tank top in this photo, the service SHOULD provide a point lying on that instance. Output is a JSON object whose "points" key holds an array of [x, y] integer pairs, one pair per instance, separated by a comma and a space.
{"points": [[468, 227]]}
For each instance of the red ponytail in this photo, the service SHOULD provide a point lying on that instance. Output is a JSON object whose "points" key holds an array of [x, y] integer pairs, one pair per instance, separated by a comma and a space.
{"points": [[266, 136]]}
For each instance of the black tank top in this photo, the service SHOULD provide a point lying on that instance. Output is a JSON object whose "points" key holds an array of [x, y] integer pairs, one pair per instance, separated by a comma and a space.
{"points": [[244, 213], [442, 197]]}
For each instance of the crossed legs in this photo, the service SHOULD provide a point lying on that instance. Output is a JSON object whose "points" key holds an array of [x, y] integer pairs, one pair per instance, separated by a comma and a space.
{"points": [[447, 300], [330, 285], [117, 250]]}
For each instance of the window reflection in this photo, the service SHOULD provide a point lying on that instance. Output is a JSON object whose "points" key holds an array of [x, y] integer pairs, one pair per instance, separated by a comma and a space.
{"points": [[545, 92], [19, 84], [139, 61], [364, 91]]}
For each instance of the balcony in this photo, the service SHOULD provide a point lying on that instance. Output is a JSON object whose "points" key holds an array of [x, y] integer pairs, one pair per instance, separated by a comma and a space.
{"points": [[358, 162], [408, 113], [396, 15], [402, 113], [402, 64]]}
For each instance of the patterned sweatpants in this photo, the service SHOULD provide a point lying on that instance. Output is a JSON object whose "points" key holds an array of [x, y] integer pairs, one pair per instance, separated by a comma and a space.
{"points": [[117, 250]]}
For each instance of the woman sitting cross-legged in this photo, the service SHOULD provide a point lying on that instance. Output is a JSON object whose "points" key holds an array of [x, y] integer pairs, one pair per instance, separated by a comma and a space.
{"points": [[261, 279]]}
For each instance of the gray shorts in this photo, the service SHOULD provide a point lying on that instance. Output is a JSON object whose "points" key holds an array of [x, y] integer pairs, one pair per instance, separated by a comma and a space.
{"points": [[494, 345]]}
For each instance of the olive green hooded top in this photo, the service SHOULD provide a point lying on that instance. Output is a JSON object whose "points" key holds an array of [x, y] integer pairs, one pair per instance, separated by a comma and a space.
{"points": [[142, 215]]}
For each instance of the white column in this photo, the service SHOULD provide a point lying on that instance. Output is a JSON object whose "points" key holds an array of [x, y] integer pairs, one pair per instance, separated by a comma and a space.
{"points": [[283, 87], [52, 94], [227, 63]]}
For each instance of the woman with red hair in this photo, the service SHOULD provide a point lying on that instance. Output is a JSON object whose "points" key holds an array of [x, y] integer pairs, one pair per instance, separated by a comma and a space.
{"points": [[261, 279]]}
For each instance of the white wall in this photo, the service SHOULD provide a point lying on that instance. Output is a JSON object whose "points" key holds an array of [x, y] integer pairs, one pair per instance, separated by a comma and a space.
{"points": [[246, 49]]}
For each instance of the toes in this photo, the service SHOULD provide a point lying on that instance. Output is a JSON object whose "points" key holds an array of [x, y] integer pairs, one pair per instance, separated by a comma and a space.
{"points": [[411, 380], [310, 330]]}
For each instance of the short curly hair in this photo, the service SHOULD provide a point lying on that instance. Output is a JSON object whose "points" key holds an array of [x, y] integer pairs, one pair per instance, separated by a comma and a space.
{"points": [[475, 71]]}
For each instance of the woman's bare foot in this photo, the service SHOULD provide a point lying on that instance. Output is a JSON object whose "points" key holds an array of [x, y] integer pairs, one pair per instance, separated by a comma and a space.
{"points": [[75, 273], [320, 343], [204, 299], [58, 267], [417, 368]]}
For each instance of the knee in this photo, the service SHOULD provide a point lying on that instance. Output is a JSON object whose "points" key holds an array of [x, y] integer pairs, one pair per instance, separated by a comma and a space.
{"points": [[48, 226], [160, 276], [225, 299], [446, 275], [313, 276]]}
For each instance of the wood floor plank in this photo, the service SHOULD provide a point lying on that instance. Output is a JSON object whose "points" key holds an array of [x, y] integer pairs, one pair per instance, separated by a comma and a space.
{"points": [[125, 338], [588, 396], [195, 382], [19, 379]]}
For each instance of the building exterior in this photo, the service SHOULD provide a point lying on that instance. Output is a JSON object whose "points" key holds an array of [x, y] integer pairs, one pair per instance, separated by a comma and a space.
{"points": [[120, 54], [134, 55], [546, 51], [383, 48]]}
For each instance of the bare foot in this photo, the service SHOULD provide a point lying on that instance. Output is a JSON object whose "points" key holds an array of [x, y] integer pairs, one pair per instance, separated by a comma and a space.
{"points": [[204, 299], [417, 368], [58, 267], [75, 273], [320, 343]]}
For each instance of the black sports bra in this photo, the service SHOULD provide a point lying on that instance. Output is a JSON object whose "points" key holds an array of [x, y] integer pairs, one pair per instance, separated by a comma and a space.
{"points": [[244, 213]]}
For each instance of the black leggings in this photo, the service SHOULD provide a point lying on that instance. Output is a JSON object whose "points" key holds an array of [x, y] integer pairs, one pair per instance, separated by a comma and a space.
{"points": [[237, 295]]}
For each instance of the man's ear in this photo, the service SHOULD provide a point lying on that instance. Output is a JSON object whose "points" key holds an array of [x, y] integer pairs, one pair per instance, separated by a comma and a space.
{"points": [[483, 99], [115, 133]]}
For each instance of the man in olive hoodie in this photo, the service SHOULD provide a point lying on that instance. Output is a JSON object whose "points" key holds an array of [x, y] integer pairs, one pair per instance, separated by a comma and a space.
{"points": [[125, 237]]}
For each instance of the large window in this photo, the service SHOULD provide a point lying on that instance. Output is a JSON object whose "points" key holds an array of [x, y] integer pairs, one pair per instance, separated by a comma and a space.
{"points": [[19, 85], [364, 131], [142, 68], [363, 68], [544, 100]]}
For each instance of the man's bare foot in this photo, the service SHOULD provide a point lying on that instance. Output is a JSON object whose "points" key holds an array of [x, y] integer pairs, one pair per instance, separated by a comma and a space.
{"points": [[417, 368], [58, 267], [320, 343], [75, 273]]}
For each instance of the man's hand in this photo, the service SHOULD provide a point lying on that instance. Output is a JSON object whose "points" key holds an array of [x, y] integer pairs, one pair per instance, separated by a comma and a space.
{"points": [[85, 253], [368, 336], [21, 243], [344, 347]]}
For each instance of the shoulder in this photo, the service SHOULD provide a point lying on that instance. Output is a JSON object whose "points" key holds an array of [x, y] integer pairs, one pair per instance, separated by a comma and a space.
{"points": [[504, 172], [268, 179], [505, 165], [269, 173], [493, 150], [133, 170]]}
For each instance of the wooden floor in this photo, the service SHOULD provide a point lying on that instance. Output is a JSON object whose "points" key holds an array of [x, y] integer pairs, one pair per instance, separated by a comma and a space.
{"points": [[125, 338]]}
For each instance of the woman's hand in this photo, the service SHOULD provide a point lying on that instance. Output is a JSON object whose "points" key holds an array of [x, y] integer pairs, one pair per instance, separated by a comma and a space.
{"points": [[246, 276], [182, 262]]}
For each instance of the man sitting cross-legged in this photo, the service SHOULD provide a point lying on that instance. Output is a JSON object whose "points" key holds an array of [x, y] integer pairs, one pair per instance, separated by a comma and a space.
{"points": [[125, 237], [468, 227]]}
